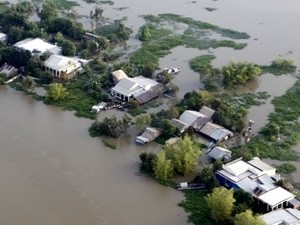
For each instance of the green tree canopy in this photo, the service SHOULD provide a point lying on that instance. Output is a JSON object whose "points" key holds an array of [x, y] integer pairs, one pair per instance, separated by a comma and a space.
{"points": [[239, 73], [163, 169], [68, 48], [143, 120], [220, 202], [247, 218], [56, 92], [184, 155]]}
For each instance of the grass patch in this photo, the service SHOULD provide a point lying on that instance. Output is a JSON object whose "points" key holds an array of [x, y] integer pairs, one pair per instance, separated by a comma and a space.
{"points": [[62, 4], [201, 63], [283, 123], [77, 100], [286, 168], [198, 24], [160, 40], [280, 66], [250, 99], [109, 144]]}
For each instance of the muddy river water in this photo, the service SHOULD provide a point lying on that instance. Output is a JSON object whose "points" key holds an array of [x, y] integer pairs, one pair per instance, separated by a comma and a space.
{"points": [[53, 173]]}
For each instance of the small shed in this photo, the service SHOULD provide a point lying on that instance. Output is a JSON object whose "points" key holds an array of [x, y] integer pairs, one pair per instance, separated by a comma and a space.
{"points": [[149, 135], [3, 37]]}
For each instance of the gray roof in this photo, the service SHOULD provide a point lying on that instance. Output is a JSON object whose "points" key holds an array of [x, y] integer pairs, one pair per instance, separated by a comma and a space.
{"points": [[207, 111], [147, 95], [190, 116], [179, 124], [127, 86], [58, 62], [215, 131], [282, 216], [219, 153], [149, 135]]}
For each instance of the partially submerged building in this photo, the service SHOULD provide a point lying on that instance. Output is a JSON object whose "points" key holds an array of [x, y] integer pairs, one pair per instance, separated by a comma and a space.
{"points": [[149, 135], [191, 118], [215, 132], [258, 179], [219, 153], [282, 217], [139, 88], [58, 64], [37, 46]]}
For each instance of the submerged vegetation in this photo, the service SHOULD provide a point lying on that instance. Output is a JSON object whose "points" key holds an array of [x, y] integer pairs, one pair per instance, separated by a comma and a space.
{"points": [[159, 40], [280, 66]]}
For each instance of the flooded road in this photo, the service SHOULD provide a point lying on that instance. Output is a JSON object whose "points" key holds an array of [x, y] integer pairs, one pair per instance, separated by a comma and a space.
{"points": [[53, 173]]}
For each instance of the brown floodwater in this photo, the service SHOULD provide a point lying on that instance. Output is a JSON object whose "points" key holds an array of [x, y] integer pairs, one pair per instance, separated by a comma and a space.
{"points": [[53, 173]]}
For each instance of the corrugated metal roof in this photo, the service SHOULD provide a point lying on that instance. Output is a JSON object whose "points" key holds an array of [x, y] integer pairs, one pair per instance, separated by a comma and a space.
{"points": [[219, 153], [282, 216]]}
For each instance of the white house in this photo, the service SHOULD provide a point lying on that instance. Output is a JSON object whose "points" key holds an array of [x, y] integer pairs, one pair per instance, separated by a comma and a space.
{"points": [[256, 178], [141, 88], [3, 37], [282, 217], [58, 64], [38, 46]]}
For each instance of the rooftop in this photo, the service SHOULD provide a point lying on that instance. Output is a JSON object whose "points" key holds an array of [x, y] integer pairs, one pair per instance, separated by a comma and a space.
{"points": [[219, 153], [276, 196], [58, 62], [37, 45], [190, 116], [282, 217], [119, 74], [207, 111]]}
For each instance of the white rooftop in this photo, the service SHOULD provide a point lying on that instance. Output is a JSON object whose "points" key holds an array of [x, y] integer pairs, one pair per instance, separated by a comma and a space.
{"points": [[37, 45], [138, 84], [58, 62], [2, 35], [276, 196], [282, 216], [257, 163]]}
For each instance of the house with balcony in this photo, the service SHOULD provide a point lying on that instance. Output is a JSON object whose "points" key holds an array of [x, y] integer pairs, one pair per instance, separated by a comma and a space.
{"points": [[58, 65], [139, 88]]}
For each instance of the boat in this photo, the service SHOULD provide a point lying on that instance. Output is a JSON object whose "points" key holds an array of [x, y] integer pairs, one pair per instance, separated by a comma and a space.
{"points": [[172, 70]]}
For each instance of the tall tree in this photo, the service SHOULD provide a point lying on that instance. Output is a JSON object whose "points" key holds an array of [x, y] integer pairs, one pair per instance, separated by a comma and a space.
{"points": [[49, 10], [184, 155], [247, 218], [163, 169], [56, 92], [220, 202]]}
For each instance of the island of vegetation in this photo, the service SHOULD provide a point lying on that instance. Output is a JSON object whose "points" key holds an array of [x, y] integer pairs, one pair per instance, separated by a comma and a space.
{"points": [[96, 53]]}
